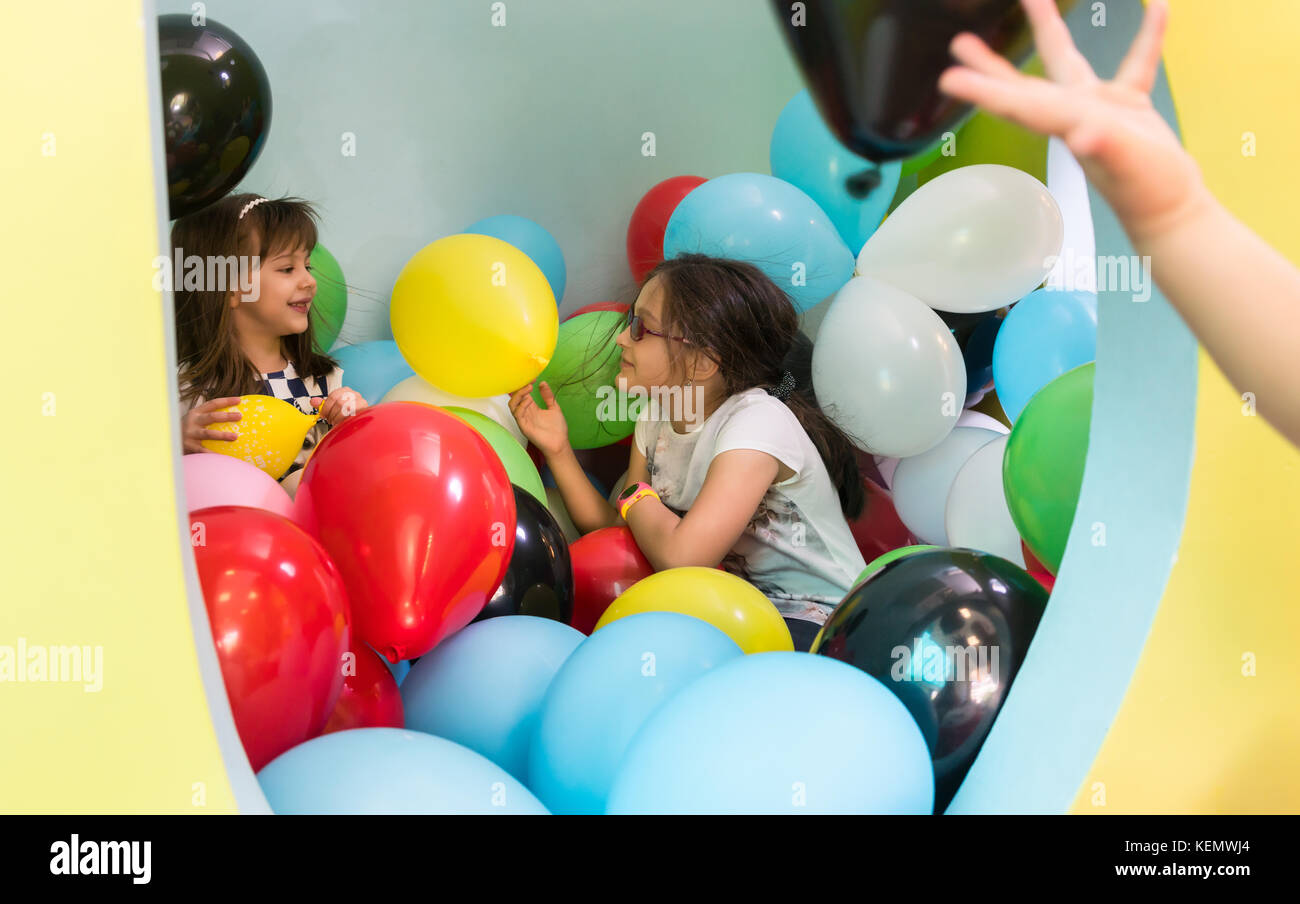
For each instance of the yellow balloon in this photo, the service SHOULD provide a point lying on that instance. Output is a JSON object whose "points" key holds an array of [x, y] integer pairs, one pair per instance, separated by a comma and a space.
{"points": [[729, 603], [270, 432], [474, 316]]}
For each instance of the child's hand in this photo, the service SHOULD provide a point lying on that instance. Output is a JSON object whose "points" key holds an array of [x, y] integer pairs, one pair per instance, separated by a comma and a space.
{"points": [[545, 427], [339, 405], [1122, 143], [194, 424]]}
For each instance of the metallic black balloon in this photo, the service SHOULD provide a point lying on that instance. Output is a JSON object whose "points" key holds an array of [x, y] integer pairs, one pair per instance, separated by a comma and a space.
{"points": [[977, 351], [539, 578], [216, 110], [873, 66], [946, 630]]}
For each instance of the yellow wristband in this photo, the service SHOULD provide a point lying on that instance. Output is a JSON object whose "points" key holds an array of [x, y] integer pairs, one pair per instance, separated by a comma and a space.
{"points": [[633, 494]]}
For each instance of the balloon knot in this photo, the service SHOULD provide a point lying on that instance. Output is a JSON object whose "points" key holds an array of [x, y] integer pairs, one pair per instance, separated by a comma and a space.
{"points": [[859, 185]]}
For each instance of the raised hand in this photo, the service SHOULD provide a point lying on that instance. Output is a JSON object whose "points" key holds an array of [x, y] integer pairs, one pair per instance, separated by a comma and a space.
{"points": [[545, 427], [1121, 141]]}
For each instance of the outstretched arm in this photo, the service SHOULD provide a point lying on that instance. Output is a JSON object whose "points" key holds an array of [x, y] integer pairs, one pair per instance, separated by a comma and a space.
{"points": [[1238, 295]]}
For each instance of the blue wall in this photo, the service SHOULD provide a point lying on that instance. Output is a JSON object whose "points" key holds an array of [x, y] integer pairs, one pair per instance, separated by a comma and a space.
{"points": [[456, 119]]}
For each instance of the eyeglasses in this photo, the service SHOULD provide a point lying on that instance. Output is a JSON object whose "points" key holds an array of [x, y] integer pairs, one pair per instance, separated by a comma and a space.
{"points": [[637, 328]]}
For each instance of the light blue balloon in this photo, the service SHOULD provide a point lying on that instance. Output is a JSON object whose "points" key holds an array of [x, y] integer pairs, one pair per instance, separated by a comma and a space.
{"points": [[533, 241], [1044, 335], [482, 687], [373, 771], [372, 368], [769, 223], [805, 153], [778, 733], [603, 693], [399, 669]]}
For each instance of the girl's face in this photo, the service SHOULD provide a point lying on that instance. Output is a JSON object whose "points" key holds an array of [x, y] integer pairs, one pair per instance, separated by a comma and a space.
{"points": [[645, 363], [283, 288]]}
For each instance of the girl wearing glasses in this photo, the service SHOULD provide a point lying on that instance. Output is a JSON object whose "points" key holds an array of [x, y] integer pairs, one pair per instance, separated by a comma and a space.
{"points": [[732, 464]]}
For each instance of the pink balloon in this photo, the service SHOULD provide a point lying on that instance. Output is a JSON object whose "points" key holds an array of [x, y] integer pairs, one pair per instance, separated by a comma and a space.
{"points": [[212, 479]]}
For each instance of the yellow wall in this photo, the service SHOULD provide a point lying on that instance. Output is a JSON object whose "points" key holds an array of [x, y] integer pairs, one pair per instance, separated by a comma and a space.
{"points": [[89, 534], [1195, 734]]}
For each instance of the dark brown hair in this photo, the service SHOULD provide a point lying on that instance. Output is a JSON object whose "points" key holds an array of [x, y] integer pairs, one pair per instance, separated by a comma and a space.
{"points": [[752, 331], [207, 347]]}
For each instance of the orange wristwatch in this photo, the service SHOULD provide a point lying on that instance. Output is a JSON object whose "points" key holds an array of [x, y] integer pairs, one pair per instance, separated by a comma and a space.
{"points": [[634, 493]]}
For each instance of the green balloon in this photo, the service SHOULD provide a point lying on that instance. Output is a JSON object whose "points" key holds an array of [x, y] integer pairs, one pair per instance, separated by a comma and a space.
{"points": [[519, 467], [331, 303], [881, 561], [985, 138], [583, 374], [1042, 470], [922, 160]]}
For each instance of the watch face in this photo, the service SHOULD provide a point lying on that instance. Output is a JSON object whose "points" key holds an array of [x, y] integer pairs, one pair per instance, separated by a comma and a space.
{"points": [[627, 492]]}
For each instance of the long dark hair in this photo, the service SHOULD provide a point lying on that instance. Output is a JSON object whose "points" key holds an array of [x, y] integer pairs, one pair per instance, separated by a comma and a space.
{"points": [[207, 347], [752, 328]]}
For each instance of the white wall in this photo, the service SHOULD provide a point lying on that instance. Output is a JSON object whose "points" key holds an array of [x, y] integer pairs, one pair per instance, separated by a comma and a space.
{"points": [[456, 119]]}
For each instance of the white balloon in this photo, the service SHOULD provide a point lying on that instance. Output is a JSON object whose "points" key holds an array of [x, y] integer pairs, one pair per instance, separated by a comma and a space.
{"points": [[976, 515], [555, 502], [980, 419], [974, 239], [887, 465], [922, 482], [497, 407], [887, 370]]}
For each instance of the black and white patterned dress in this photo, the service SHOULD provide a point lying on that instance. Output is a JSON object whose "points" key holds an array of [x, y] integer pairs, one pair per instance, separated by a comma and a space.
{"points": [[298, 391]]}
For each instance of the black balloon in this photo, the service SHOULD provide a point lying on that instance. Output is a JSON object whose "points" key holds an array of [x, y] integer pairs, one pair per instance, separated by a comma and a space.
{"points": [[539, 578], [873, 66], [977, 351], [946, 630], [216, 110]]}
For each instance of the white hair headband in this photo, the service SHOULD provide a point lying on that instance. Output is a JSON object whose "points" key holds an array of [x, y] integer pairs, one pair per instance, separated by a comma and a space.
{"points": [[250, 205]]}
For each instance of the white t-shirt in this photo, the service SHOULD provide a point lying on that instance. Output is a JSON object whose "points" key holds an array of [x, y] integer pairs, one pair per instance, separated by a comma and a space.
{"points": [[797, 548]]}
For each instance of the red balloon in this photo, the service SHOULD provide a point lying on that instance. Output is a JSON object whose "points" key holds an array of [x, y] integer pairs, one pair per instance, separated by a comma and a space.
{"points": [[619, 306], [416, 510], [1045, 579], [878, 529], [1031, 562], [645, 231], [606, 562], [370, 697], [279, 616]]}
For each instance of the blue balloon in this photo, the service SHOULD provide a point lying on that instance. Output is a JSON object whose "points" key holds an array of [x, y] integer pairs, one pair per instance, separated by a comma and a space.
{"points": [[373, 771], [482, 687], [372, 368], [769, 223], [1043, 336], [533, 241], [399, 669], [603, 693], [808, 155], [548, 481], [778, 733]]}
